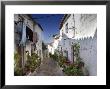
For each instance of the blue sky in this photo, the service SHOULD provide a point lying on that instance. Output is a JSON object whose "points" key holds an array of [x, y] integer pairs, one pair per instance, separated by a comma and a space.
{"points": [[50, 24]]}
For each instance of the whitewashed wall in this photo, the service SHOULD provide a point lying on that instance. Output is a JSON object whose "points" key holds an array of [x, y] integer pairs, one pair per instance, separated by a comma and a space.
{"points": [[49, 49], [66, 44], [86, 35], [88, 53], [85, 29], [39, 43], [70, 22], [55, 43], [30, 24], [37, 29], [85, 25]]}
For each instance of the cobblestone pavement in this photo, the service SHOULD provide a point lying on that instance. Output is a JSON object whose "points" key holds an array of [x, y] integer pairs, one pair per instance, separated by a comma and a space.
{"points": [[48, 67]]}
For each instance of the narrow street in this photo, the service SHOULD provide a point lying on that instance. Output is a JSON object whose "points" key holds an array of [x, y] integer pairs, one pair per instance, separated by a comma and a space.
{"points": [[48, 67]]}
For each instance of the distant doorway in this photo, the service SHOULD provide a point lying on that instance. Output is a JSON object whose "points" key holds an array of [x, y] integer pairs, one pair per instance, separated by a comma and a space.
{"points": [[66, 54]]}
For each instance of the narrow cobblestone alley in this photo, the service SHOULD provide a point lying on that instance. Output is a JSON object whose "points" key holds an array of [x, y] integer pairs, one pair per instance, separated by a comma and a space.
{"points": [[48, 67]]}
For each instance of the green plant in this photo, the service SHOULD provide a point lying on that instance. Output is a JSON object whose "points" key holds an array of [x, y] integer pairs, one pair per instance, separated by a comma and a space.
{"points": [[33, 62], [16, 59], [76, 47], [17, 69], [72, 70], [62, 61], [75, 69], [54, 56]]}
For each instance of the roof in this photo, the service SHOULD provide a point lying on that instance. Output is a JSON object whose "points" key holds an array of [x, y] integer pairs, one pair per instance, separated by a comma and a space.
{"points": [[29, 15], [64, 19], [40, 26], [57, 36]]}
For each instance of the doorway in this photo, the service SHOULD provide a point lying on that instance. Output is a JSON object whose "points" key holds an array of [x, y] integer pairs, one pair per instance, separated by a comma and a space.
{"points": [[72, 53]]}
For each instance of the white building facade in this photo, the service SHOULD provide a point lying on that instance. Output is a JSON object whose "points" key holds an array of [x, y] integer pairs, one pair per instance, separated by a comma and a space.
{"points": [[54, 46], [82, 29], [50, 48], [27, 35]]}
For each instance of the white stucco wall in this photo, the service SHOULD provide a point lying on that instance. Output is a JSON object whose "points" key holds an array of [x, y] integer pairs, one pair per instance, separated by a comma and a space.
{"points": [[39, 43], [85, 29], [65, 41], [88, 53], [86, 35], [33, 27], [50, 49], [70, 22], [85, 25], [55, 45]]}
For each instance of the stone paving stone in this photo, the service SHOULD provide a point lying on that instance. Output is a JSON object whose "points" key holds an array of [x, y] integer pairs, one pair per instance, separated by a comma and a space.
{"points": [[48, 67]]}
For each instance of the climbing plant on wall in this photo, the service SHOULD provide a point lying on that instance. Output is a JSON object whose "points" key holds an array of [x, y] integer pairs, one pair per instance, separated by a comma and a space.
{"points": [[75, 68], [33, 61], [76, 49], [77, 54]]}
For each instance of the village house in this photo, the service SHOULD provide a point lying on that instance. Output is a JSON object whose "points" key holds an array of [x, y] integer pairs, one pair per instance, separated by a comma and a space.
{"points": [[81, 29], [50, 48], [54, 46], [27, 36], [55, 42]]}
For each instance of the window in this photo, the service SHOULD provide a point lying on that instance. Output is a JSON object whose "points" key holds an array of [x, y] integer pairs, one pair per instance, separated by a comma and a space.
{"points": [[64, 42], [29, 34], [66, 28], [73, 32]]}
